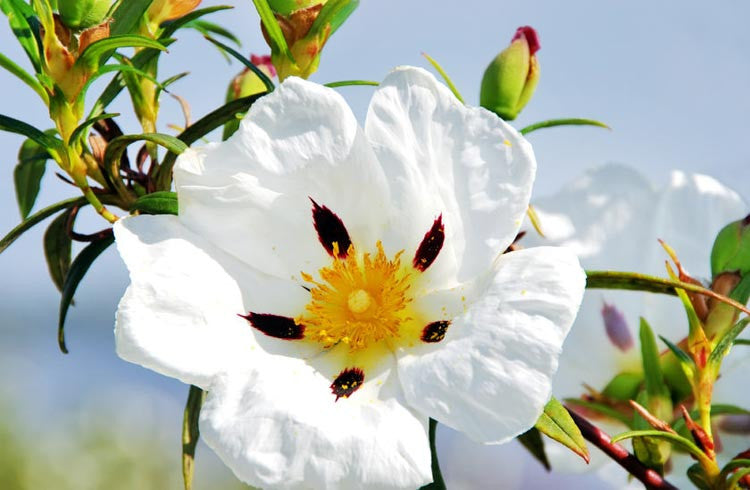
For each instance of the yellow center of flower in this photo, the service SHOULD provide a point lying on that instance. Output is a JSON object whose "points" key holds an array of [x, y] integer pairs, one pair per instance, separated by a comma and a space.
{"points": [[360, 300]]}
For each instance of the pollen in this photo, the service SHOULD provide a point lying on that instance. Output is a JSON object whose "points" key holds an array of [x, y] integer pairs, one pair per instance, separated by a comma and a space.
{"points": [[358, 300]]}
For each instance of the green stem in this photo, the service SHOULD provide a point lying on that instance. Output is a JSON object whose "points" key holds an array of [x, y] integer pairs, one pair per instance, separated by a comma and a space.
{"points": [[437, 477]]}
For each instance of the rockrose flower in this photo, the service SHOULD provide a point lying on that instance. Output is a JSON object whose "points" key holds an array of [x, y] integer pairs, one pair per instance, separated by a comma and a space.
{"points": [[332, 288]]}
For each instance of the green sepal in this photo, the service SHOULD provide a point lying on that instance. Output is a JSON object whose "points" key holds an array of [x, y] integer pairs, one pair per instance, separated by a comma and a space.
{"points": [[57, 249], [533, 442], [624, 386], [77, 271], [162, 202], [557, 424], [731, 249]]}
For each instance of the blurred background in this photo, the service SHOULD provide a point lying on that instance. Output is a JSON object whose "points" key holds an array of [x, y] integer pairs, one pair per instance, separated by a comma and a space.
{"points": [[670, 78]]}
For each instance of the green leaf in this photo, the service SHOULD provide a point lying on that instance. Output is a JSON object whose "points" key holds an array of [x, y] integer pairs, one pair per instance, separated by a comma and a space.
{"points": [[557, 424], [170, 27], [191, 433], [84, 126], [698, 477], [25, 27], [19, 127], [40, 215], [199, 129], [127, 15], [333, 14], [653, 377], [533, 442], [739, 475], [623, 387], [681, 354], [242, 59], [676, 439], [57, 248], [437, 476], [162, 202], [25, 77], [92, 53], [722, 347], [601, 408], [445, 76], [206, 28], [123, 68], [733, 465], [346, 83], [77, 271], [276, 37], [27, 176], [742, 342], [562, 122]]}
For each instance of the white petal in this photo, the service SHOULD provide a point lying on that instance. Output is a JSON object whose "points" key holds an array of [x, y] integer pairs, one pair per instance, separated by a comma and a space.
{"points": [[179, 315], [250, 195], [491, 375], [279, 426], [443, 157]]}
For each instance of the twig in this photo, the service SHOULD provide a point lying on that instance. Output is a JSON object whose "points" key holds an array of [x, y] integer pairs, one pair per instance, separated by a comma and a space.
{"points": [[650, 478]]}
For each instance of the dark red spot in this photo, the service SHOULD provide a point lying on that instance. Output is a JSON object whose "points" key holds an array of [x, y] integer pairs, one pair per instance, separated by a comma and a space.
{"points": [[435, 331], [347, 382], [430, 247], [330, 230], [532, 38], [280, 327]]}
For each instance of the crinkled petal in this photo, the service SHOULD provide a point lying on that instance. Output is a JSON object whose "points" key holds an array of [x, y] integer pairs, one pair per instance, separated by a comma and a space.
{"points": [[441, 156], [250, 195], [278, 425], [179, 315], [492, 374]]}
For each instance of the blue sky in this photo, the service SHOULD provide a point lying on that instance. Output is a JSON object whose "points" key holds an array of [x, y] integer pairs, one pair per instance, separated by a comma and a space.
{"points": [[670, 78]]}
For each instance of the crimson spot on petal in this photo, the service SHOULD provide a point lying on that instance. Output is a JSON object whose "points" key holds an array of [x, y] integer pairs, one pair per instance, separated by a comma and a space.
{"points": [[330, 230], [435, 331], [280, 327], [430, 247], [347, 382]]}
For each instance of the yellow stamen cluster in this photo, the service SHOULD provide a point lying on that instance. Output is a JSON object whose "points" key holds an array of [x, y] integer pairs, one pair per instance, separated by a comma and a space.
{"points": [[359, 300]]}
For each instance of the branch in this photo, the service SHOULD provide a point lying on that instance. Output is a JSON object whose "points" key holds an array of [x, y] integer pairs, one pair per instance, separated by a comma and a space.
{"points": [[650, 478]]}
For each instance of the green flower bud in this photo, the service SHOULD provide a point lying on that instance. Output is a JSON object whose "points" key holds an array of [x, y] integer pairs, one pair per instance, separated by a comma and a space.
{"points": [[731, 250], [82, 14], [511, 78]]}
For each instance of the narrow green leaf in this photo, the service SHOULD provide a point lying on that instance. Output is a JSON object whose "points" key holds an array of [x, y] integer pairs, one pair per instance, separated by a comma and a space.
{"points": [[722, 347], [698, 477], [170, 27], [242, 59], [733, 465], [199, 129], [77, 271], [676, 439], [57, 248], [694, 323], [126, 16], [117, 146], [332, 16], [562, 122], [40, 137], [206, 28], [25, 27], [347, 83], [162, 202], [28, 173], [84, 126], [91, 55], [35, 218], [120, 69], [734, 482], [653, 377], [437, 476], [601, 408], [742, 342], [445, 76], [557, 424], [681, 354], [276, 37], [25, 77], [191, 433], [533, 442]]}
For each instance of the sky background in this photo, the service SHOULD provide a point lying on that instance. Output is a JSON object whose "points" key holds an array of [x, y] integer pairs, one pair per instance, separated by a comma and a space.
{"points": [[670, 78]]}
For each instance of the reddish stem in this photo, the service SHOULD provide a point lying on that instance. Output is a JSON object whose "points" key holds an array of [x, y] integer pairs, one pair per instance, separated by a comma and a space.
{"points": [[650, 478]]}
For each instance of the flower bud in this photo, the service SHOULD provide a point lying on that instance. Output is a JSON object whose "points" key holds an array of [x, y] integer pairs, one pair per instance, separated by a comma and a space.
{"points": [[246, 84], [731, 250], [286, 7], [81, 14], [511, 78], [163, 10]]}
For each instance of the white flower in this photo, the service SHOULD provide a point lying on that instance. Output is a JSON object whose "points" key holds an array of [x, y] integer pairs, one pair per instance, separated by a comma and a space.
{"points": [[332, 287]]}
